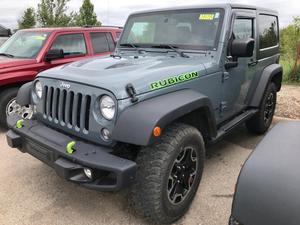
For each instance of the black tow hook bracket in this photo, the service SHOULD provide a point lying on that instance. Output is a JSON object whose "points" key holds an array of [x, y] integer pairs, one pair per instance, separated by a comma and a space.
{"points": [[131, 92], [13, 139]]}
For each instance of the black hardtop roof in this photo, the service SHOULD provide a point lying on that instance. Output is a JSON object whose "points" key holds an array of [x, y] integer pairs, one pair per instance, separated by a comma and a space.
{"points": [[225, 5]]}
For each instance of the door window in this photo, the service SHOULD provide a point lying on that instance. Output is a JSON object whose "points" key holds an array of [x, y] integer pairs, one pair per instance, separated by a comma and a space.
{"points": [[243, 28], [71, 44]]}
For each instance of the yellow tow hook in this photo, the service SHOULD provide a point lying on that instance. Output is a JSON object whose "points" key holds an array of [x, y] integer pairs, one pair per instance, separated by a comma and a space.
{"points": [[20, 124], [70, 147]]}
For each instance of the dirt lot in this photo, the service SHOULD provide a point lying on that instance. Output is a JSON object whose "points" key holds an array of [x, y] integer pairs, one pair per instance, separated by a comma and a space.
{"points": [[289, 102], [32, 194]]}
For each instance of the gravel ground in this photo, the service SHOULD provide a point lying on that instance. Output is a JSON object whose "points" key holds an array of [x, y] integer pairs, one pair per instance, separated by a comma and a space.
{"points": [[288, 102], [32, 194]]}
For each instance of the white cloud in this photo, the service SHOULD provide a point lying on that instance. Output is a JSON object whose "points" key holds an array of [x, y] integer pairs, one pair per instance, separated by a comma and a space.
{"points": [[115, 12]]}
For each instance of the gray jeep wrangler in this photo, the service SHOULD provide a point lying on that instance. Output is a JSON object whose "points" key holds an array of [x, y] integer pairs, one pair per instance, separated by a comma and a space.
{"points": [[179, 80]]}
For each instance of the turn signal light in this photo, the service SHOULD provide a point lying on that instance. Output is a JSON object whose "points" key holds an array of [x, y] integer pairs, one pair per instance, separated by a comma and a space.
{"points": [[157, 131]]}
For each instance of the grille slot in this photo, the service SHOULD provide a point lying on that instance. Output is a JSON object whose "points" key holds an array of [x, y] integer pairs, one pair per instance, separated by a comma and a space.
{"points": [[67, 108]]}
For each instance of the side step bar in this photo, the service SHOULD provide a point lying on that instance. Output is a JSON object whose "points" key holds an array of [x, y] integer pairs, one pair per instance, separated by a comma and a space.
{"points": [[228, 127]]}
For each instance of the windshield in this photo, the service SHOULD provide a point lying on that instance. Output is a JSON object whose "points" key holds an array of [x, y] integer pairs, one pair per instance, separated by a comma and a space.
{"points": [[194, 29], [24, 44]]}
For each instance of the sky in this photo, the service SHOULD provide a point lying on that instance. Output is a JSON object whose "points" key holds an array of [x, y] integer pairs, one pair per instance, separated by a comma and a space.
{"points": [[115, 12]]}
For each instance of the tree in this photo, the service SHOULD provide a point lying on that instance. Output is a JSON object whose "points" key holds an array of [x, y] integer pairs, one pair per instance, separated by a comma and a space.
{"points": [[289, 39], [87, 15], [53, 13], [28, 19]]}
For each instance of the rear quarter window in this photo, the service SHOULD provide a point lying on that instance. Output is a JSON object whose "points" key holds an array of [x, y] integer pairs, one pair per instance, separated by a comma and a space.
{"points": [[118, 34], [102, 42], [268, 31]]}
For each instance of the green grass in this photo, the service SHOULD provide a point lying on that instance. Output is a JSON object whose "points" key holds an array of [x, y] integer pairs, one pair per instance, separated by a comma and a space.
{"points": [[288, 66]]}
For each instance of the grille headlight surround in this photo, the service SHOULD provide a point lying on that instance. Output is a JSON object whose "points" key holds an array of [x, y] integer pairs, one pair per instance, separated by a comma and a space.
{"points": [[38, 89], [107, 107]]}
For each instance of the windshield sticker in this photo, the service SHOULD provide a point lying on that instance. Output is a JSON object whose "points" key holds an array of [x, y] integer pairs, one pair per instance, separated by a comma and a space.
{"points": [[174, 80], [207, 16], [40, 38]]}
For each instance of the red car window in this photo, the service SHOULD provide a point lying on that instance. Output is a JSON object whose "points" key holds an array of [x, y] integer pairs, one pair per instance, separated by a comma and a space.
{"points": [[71, 44]]}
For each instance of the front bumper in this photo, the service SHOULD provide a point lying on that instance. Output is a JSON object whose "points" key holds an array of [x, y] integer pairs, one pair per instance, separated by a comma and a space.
{"points": [[111, 173]]}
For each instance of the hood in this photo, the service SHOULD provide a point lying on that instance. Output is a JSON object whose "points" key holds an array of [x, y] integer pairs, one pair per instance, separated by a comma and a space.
{"points": [[114, 74], [14, 62]]}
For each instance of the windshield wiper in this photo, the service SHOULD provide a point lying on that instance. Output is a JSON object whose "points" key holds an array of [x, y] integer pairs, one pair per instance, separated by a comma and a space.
{"points": [[174, 48], [7, 55], [136, 47], [129, 45]]}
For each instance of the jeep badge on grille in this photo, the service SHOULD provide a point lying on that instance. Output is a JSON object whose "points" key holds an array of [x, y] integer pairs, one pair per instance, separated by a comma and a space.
{"points": [[64, 85]]}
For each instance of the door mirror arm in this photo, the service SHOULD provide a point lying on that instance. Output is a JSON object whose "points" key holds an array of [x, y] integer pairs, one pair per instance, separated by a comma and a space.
{"points": [[231, 63]]}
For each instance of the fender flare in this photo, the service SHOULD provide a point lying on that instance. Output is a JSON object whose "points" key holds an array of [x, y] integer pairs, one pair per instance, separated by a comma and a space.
{"points": [[24, 94], [263, 170], [135, 125], [267, 75]]}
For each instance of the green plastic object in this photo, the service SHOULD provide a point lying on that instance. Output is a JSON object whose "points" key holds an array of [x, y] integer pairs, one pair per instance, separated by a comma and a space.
{"points": [[20, 124], [70, 146]]}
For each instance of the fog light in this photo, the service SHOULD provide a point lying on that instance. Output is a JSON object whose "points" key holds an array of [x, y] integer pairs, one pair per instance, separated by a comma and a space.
{"points": [[105, 134], [233, 221], [88, 173]]}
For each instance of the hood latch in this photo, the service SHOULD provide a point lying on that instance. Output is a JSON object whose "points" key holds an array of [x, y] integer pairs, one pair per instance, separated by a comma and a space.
{"points": [[131, 92]]}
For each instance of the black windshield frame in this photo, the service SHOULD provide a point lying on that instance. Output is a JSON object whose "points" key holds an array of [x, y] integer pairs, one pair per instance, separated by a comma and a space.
{"points": [[130, 22]]}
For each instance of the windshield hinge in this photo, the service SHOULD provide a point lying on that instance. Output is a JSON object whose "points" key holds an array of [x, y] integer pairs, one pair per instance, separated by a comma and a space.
{"points": [[223, 106], [225, 76], [131, 92]]}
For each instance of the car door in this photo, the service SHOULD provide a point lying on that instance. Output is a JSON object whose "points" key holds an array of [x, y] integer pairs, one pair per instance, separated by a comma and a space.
{"points": [[73, 45], [102, 43], [237, 80]]}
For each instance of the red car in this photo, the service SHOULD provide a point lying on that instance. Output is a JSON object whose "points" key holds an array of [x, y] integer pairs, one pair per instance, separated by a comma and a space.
{"points": [[31, 51]]}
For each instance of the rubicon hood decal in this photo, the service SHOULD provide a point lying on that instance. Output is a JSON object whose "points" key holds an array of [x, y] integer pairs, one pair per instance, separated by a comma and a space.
{"points": [[173, 80]]}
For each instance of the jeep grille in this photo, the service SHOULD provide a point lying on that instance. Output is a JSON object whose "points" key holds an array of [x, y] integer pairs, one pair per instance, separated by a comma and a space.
{"points": [[67, 108]]}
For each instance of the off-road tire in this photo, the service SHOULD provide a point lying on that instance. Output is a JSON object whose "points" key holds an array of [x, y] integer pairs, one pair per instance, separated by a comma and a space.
{"points": [[149, 194], [257, 124], [5, 97]]}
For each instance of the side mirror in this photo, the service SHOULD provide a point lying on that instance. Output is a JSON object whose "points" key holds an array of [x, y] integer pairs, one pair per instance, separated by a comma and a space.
{"points": [[5, 33], [54, 54], [242, 47], [9, 32]]}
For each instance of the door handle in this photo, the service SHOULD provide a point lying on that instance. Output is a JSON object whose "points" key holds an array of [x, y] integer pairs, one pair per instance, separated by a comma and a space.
{"points": [[253, 63]]}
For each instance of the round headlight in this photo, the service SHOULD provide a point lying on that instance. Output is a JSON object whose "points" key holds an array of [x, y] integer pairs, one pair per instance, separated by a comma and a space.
{"points": [[107, 107], [38, 89]]}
